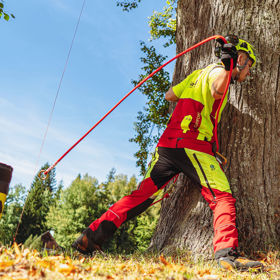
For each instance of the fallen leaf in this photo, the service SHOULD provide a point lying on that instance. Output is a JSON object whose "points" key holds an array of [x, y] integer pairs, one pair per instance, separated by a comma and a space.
{"points": [[3, 265], [203, 272], [46, 264], [163, 260]]}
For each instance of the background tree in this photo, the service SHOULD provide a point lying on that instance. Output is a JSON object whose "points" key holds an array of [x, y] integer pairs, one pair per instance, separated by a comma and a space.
{"points": [[3, 12], [85, 200], [128, 5], [75, 208], [11, 215], [152, 120], [41, 196], [249, 134]]}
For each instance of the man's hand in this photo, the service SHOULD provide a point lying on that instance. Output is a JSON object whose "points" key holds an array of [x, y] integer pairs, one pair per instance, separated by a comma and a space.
{"points": [[229, 51]]}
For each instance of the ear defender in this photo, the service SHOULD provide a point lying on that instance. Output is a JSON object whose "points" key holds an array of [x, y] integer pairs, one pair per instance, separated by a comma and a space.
{"points": [[233, 39], [241, 45]]}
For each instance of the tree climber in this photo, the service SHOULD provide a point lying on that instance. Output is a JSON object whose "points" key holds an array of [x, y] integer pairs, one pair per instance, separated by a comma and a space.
{"points": [[186, 146], [5, 179]]}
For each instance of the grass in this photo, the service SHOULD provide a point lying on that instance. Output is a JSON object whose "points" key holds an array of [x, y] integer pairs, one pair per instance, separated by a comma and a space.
{"points": [[17, 262]]}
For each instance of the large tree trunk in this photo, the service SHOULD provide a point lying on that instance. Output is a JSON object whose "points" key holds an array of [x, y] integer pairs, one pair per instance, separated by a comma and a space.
{"points": [[249, 133]]}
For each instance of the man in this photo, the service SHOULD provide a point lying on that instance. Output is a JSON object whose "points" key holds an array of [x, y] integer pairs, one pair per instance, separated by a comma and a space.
{"points": [[187, 146], [5, 179]]}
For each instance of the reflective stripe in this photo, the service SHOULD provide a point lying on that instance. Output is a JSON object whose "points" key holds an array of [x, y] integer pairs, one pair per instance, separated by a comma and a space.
{"points": [[114, 213], [204, 175], [225, 226]]}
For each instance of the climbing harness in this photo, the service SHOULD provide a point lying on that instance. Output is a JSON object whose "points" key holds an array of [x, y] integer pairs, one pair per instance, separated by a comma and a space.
{"points": [[44, 173]]}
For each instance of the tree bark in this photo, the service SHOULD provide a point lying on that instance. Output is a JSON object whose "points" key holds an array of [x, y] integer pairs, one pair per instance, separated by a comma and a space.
{"points": [[249, 132]]}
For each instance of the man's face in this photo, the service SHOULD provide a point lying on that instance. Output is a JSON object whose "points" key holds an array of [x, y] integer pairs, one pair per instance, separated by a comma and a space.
{"points": [[242, 74]]}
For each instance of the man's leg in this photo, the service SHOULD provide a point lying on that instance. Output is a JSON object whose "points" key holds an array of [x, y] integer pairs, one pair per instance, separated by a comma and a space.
{"points": [[159, 173], [216, 191]]}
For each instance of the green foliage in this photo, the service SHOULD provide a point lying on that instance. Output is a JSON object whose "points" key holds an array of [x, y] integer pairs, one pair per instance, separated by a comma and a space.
{"points": [[128, 5], [135, 234], [163, 25], [34, 243], [41, 196], [69, 211], [85, 200], [146, 224], [155, 113], [4, 12], [11, 214], [124, 239], [75, 209]]}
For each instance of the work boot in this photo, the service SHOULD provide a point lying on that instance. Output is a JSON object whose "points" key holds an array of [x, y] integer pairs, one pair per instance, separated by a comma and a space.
{"points": [[85, 244], [229, 259]]}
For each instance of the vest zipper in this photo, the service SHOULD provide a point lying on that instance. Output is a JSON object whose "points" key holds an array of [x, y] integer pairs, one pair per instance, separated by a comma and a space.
{"points": [[205, 178]]}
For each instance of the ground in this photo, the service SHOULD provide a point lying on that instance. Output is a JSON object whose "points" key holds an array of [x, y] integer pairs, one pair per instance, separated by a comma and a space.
{"points": [[17, 262]]}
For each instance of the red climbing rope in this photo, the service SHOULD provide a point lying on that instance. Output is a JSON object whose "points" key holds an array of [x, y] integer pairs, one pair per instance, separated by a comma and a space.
{"points": [[45, 172], [220, 105]]}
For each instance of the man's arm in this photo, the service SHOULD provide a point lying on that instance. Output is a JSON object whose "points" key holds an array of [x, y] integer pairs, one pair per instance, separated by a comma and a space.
{"points": [[219, 84], [170, 95]]}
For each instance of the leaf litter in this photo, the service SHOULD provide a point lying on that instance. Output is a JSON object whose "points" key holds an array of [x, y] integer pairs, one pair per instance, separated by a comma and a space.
{"points": [[21, 263]]}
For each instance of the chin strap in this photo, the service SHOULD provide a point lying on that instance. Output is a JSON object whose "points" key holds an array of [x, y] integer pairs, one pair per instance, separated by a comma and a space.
{"points": [[241, 67]]}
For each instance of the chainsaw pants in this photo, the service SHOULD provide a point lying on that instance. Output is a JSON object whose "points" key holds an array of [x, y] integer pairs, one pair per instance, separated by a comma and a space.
{"points": [[202, 168]]}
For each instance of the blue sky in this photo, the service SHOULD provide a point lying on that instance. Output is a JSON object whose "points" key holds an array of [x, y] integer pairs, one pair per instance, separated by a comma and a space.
{"points": [[103, 61]]}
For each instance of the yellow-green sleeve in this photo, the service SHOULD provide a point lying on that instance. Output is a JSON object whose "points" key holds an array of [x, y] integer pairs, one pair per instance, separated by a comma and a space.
{"points": [[179, 88]]}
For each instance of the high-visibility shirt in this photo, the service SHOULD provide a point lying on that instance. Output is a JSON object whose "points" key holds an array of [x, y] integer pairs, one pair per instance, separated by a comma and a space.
{"points": [[193, 119]]}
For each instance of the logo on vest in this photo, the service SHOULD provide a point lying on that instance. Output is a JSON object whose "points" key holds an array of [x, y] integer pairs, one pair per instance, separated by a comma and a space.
{"points": [[197, 120], [193, 84], [185, 123]]}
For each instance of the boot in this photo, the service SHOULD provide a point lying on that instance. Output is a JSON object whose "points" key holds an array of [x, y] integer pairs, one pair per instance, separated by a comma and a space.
{"points": [[85, 244], [229, 259]]}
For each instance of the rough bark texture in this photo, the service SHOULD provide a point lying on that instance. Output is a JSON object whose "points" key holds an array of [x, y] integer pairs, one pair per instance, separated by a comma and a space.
{"points": [[249, 132]]}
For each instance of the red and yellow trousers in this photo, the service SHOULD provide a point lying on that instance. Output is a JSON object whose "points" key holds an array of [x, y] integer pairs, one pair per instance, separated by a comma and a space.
{"points": [[201, 167]]}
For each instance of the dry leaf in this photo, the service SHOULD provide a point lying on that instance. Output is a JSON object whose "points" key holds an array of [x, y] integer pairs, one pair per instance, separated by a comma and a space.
{"points": [[3, 265], [163, 260], [203, 272]]}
